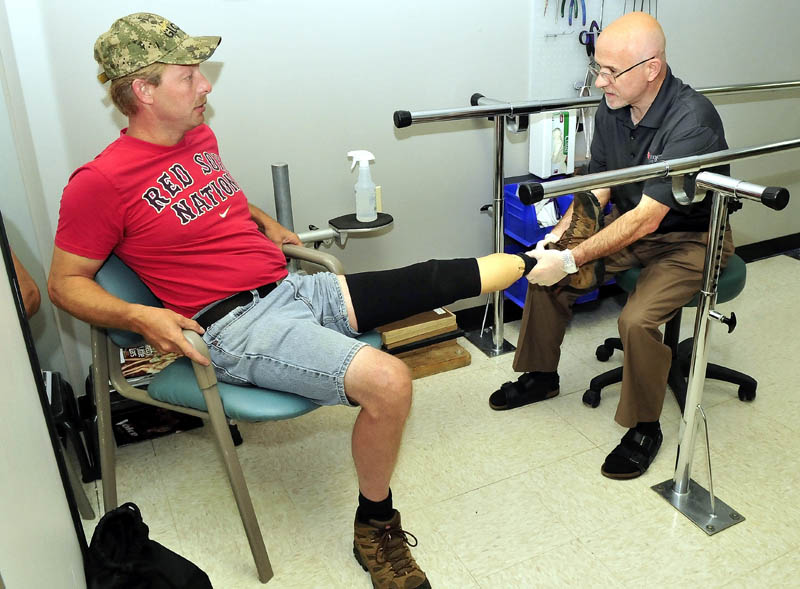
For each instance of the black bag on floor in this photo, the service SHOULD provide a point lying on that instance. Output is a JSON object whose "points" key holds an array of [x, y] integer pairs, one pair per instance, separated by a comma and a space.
{"points": [[122, 556]]}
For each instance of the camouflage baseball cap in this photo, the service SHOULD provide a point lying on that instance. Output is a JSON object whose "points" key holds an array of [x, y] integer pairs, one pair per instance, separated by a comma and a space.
{"points": [[141, 39]]}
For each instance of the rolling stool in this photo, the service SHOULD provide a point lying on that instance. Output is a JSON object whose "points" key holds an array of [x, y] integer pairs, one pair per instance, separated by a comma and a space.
{"points": [[731, 282]]}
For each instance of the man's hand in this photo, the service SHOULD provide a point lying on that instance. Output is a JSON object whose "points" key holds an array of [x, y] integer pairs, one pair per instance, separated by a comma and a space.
{"points": [[551, 265], [280, 235], [275, 232], [163, 329]]}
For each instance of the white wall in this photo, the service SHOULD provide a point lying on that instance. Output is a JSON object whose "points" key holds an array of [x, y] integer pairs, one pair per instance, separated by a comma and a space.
{"points": [[39, 545], [750, 44], [306, 81]]}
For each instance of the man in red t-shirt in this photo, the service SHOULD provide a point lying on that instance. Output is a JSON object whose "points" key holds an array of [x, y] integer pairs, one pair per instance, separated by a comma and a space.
{"points": [[162, 200]]}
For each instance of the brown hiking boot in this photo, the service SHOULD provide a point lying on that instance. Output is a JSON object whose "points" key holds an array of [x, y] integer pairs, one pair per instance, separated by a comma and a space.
{"points": [[381, 548], [587, 219]]}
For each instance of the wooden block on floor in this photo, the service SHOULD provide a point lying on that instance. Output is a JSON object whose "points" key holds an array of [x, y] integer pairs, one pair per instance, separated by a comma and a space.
{"points": [[423, 324], [436, 358]]}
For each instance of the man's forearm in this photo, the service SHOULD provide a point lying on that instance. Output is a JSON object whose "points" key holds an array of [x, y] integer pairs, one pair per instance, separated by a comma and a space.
{"points": [[85, 299], [262, 219], [626, 229]]}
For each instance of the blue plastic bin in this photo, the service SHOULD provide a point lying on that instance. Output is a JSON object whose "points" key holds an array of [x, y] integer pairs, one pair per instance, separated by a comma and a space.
{"points": [[519, 220]]}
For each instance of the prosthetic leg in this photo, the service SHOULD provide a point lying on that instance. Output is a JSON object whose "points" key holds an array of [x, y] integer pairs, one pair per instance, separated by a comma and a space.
{"points": [[385, 296]]}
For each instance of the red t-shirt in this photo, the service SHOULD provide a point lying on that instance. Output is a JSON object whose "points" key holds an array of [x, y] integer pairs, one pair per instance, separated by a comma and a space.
{"points": [[174, 215]]}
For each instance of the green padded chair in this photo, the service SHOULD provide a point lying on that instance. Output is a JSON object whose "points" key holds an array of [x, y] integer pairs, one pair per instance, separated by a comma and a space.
{"points": [[731, 283], [192, 389]]}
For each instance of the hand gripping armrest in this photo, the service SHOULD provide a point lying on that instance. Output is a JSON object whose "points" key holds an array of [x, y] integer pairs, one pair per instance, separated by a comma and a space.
{"points": [[328, 261]]}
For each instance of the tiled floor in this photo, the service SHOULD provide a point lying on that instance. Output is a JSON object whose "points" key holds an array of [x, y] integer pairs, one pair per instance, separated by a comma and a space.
{"points": [[511, 499]]}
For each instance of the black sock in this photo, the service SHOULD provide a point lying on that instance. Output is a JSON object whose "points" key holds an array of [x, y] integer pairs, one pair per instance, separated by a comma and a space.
{"points": [[547, 378], [648, 428], [380, 510], [546, 375]]}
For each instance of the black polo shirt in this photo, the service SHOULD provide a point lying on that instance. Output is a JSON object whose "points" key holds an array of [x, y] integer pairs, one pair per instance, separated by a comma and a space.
{"points": [[680, 122]]}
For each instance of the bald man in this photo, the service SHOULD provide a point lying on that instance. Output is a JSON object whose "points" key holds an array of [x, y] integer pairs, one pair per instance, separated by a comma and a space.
{"points": [[647, 115]]}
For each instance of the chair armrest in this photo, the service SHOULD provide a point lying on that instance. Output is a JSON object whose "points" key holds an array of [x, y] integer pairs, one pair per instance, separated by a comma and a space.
{"points": [[328, 261], [205, 374]]}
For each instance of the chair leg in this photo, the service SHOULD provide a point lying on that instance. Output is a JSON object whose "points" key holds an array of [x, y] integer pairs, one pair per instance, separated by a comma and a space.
{"points": [[219, 425], [604, 350], [747, 384], [105, 434], [592, 396], [676, 380]]}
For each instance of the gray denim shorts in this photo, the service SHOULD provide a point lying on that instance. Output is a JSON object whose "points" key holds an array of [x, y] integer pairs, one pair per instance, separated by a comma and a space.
{"points": [[296, 339]]}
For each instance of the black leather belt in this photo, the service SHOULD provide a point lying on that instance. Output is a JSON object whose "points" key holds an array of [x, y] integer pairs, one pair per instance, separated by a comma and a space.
{"points": [[225, 306]]}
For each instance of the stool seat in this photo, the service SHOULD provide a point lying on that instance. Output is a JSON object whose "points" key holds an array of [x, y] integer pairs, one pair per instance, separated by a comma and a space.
{"points": [[176, 385], [731, 281]]}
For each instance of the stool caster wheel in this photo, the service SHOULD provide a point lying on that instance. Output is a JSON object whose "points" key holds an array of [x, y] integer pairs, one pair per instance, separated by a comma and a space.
{"points": [[603, 354], [235, 435], [747, 393], [591, 398]]}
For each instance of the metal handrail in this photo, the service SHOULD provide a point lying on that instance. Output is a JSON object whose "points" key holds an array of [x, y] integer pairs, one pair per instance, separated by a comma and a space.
{"points": [[501, 110], [405, 118], [532, 192]]}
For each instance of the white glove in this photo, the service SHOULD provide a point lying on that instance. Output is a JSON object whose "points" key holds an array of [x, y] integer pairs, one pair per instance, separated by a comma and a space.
{"points": [[551, 266], [549, 238]]}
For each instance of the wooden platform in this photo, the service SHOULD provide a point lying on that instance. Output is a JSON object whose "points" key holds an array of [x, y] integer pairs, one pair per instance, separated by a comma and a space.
{"points": [[436, 358]]}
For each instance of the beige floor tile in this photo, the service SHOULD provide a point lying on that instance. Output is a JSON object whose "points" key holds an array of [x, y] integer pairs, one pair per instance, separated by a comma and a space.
{"points": [[781, 572], [584, 500], [498, 525], [464, 457], [570, 565], [597, 424], [212, 536], [435, 555], [661, 546]]}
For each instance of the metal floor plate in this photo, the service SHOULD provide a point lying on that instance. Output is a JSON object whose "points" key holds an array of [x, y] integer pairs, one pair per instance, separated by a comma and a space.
{"points": [[483, 340], [696, 505]]}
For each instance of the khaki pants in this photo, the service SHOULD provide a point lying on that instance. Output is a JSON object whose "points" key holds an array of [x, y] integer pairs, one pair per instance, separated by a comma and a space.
{"points": [[672, 273]]}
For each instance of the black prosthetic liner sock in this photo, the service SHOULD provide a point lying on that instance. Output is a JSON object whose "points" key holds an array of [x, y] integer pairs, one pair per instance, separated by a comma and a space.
{"points": [[528, 261], [388, 295]]}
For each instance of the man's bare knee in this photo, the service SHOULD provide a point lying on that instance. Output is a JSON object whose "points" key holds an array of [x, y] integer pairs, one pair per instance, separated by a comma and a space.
{"points": [[380, 383]]}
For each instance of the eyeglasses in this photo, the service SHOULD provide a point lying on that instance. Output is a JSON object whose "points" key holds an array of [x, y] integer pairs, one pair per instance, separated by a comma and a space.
{"points": [[612, 78]]}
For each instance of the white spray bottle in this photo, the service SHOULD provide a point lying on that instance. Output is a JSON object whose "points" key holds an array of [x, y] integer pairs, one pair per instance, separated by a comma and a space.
{"points": [[366, 206]]}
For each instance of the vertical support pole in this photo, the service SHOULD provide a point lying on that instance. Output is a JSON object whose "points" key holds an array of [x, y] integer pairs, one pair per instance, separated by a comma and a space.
{"points": [[497, 209], [497, 345], [283, 195], [283, 201], [692, 500], [697, 372]]}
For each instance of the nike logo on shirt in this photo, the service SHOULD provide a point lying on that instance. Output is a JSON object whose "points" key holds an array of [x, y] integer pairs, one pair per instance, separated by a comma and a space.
{"points": [[225, 213]]}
